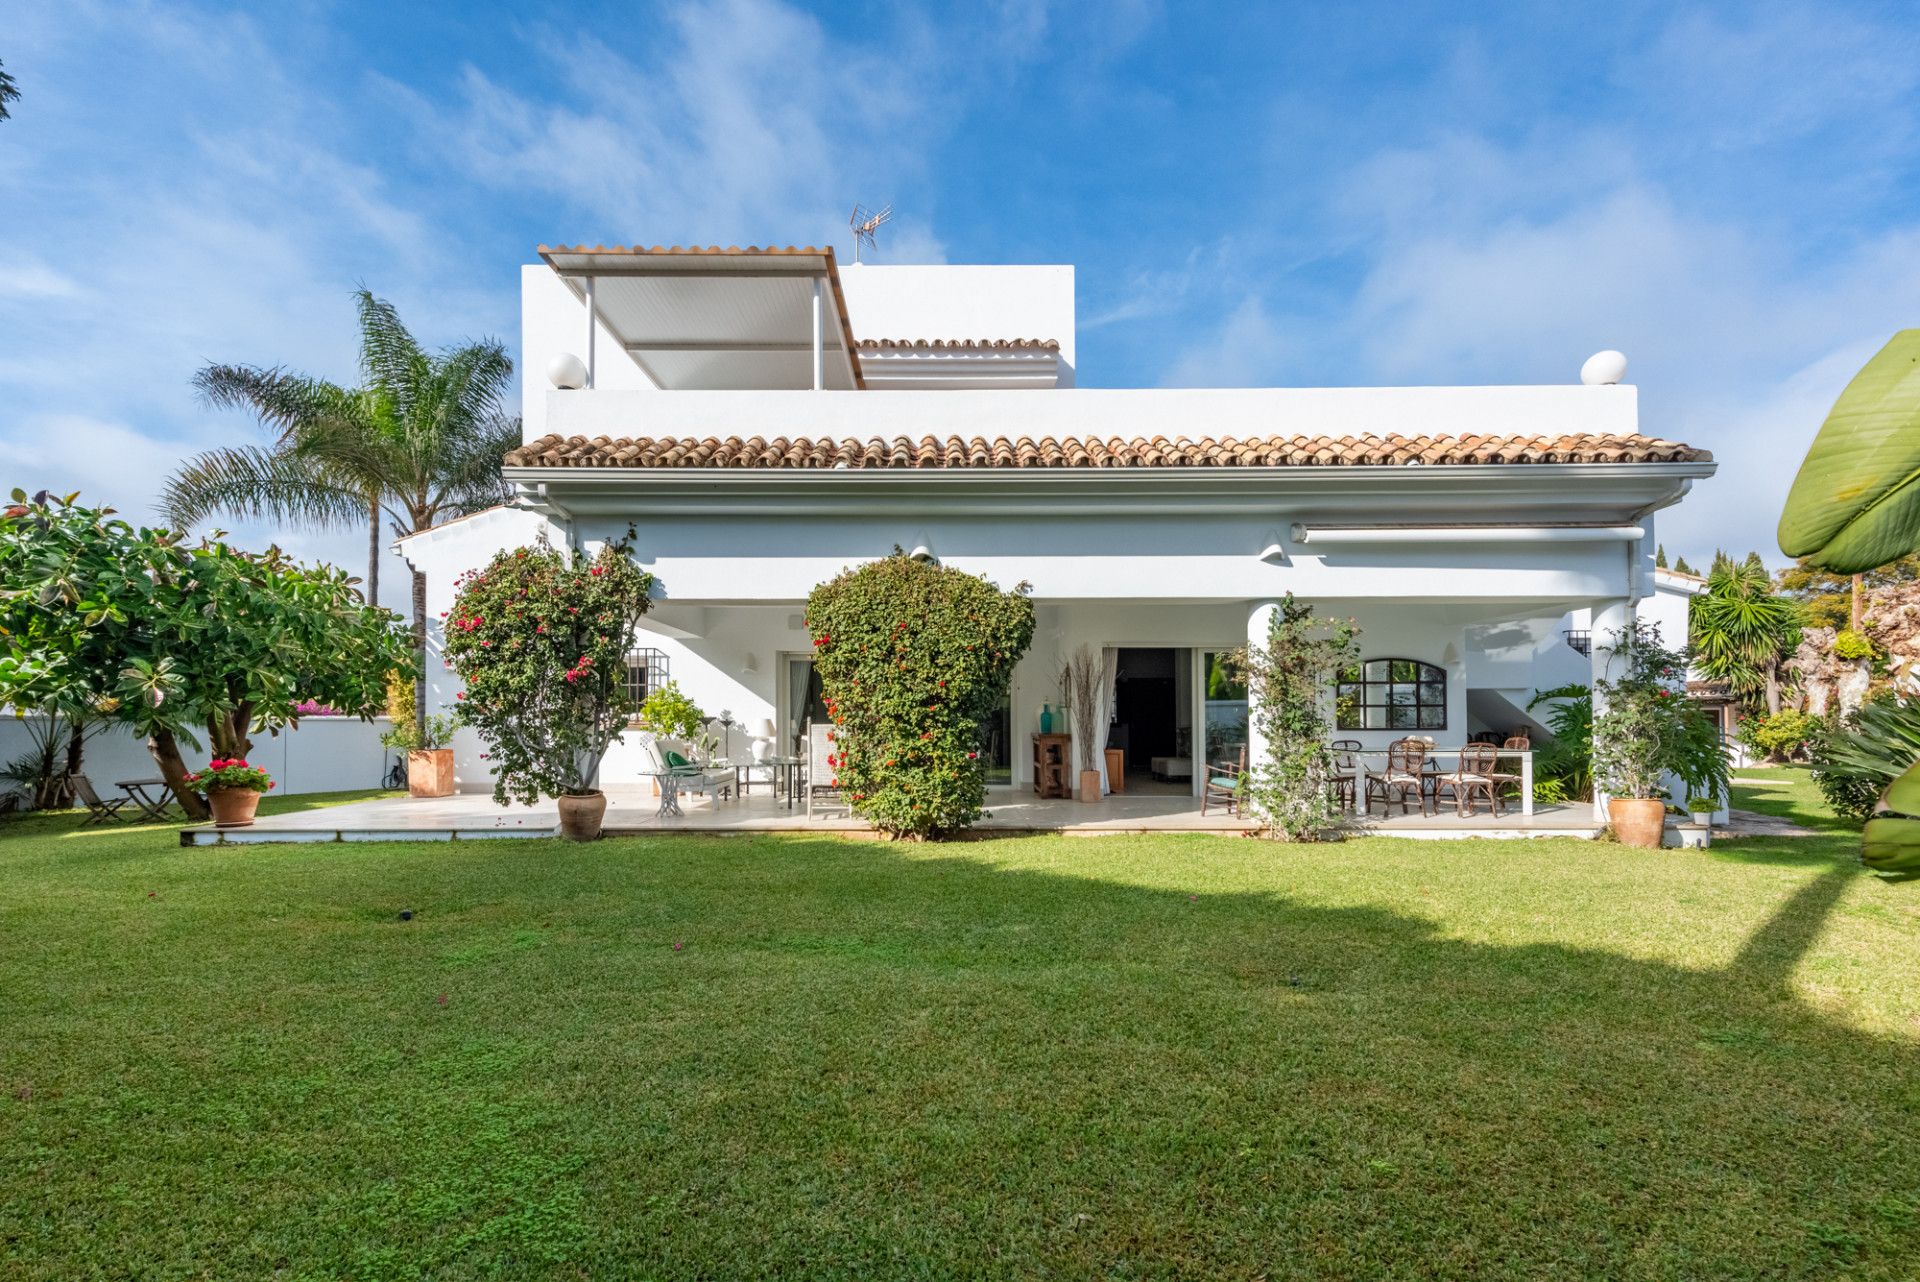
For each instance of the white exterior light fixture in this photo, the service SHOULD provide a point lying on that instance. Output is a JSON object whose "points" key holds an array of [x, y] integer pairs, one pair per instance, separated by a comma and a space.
{"points": [[924, 552], [567, 371], [1604, 368]]}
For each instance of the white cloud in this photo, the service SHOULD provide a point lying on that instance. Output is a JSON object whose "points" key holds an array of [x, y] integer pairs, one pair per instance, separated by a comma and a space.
{"points": [[31, 278], [1246, 350]]}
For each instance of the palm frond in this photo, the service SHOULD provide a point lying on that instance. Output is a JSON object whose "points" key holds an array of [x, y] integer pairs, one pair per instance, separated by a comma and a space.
{"points": [[390, 357], [282, 400], [260, 484]]}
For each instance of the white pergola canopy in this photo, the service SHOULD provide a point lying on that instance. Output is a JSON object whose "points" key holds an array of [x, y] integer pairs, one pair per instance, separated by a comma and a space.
{"points": [[718, 319]]}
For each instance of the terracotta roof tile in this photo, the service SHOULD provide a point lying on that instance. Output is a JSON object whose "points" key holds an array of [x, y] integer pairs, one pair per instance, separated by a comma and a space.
{"points": [[1090, 451], [960, 344]]}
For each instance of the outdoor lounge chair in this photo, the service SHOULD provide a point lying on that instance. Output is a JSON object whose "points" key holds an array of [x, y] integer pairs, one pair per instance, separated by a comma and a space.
{"points": [[1405, 772], [823, 782], [699, 779], [1223, 782], [98, 811]]}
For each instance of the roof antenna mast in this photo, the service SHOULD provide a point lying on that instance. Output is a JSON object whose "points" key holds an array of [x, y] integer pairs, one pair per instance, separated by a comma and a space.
{"points": [[864, 223]]}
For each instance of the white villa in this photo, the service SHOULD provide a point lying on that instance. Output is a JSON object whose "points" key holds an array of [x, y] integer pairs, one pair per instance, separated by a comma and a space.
{"points": [[764, 418]]}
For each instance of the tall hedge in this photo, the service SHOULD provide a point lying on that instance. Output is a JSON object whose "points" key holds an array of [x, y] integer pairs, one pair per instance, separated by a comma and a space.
{"points": [[912, 657]]}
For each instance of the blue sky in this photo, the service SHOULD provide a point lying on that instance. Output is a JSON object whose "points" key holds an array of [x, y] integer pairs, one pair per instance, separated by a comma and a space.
{"points": [[1284, 194]]}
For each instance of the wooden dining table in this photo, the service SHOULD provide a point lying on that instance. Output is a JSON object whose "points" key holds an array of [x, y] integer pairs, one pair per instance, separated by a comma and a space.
{"points": [[1359, 771]]}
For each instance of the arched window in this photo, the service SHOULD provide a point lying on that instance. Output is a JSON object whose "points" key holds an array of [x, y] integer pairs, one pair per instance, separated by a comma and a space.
{"points": [[1391, 694]]}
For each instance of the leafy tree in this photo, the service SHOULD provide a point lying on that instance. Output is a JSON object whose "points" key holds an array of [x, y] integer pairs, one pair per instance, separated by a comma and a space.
{"points": [[1781, 736], [1290, 785], [1647, 728], [1681, 567], [421, 441], [541, 642], [1829, 601], [1741, 630], [177, 640], [1660, 557], [912, 657], [9, 93]]}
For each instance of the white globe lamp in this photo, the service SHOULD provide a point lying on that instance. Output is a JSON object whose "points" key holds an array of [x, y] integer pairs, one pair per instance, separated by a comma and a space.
{"points": [[567, 371], [1604, 368]]}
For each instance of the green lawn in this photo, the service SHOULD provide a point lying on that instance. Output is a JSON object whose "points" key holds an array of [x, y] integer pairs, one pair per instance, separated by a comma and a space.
{"points": [[1787, 791], [1190, 1056]]}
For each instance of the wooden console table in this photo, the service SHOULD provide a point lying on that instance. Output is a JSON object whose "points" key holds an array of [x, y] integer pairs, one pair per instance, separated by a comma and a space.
{"points": [[1052, 770]]}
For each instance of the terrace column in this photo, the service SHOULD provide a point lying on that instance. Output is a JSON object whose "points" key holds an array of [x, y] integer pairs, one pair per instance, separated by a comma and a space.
{"points": [[1259, 625], [1609, 619]]}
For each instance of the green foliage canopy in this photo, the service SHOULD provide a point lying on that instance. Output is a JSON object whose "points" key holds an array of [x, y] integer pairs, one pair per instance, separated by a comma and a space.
{"points": [[912, 657], [136, 625], [540, 640]]}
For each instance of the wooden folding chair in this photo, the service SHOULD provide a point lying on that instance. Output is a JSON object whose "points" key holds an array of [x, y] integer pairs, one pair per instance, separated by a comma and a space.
{"points": [[98, 811], [1223, 783]]}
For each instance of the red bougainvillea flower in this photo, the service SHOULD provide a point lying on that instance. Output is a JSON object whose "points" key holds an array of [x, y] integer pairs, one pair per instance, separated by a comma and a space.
{"points": [[461, 694]]}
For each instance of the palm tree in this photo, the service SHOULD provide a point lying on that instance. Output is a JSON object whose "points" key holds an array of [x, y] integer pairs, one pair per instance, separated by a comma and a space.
{"points": [[9, 93], [419, 443], [1741, 629]]}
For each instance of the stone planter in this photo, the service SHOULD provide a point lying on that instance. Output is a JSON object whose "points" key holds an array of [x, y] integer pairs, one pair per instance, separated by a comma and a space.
{"points": [[430, 772], [232, 807], [1089, 785], [1638, 822], [581, 817]]}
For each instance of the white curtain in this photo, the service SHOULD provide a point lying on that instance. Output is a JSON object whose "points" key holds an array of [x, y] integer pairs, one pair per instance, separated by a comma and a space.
{"points": [[1103, 714]]}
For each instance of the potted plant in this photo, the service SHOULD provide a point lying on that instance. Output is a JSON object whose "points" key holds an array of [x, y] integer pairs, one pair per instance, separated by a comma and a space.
{"points": [[1647, 730], [429, 754], [541, 638], [232, 789], [1702, 808]]}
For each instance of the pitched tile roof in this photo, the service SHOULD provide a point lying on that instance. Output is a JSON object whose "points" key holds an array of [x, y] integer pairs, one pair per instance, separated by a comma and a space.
{"points": [[978, 452], [961, 344]]}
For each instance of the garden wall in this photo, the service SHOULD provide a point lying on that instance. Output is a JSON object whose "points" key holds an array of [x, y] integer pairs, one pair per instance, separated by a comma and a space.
{"points": [[324, 754]]}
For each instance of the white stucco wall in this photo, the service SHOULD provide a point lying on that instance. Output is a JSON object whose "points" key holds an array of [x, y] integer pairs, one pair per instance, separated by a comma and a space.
{"points": [[321, 754], [1126, 413], [963, 301], [553, 320]]}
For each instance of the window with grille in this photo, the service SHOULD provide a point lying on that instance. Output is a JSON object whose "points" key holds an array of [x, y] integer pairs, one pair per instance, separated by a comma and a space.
{"points": [[1391, 694], [646, 672]]}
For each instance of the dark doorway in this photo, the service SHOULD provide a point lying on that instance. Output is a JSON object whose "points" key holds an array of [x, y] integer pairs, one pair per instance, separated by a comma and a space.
{"points": [[1147, 712]]}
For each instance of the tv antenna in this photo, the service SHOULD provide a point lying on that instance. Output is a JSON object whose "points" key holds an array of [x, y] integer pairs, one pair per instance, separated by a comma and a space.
{"points": [[864, 223]]}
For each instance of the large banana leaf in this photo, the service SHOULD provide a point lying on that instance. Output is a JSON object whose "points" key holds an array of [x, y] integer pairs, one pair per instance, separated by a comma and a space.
{"points": [[1855, 504], [1890, 845]]}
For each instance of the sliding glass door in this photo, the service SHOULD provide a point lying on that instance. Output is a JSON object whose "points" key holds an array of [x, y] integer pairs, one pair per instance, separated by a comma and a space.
{"points": [[1225, 715]]}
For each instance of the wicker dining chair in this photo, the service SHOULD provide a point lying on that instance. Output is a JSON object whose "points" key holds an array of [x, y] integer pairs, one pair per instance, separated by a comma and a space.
{"points": [[1404, 773], [1514, 743], [1474, 775], [1346, 779]]}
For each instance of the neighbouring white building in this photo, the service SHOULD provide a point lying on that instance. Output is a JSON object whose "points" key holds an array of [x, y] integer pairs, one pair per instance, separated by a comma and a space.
{"points": [[764, 418]]}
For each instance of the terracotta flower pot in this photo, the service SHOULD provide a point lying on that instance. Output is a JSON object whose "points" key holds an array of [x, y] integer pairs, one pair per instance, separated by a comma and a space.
{"points": [[232, 807], [580, 817], [1637, 822], [1089, 785], [430, 772]]}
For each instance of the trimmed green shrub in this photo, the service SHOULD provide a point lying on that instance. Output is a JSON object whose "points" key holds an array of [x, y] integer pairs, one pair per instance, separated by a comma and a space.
{"points": [[1779, 737], [1851, 645], [541, 641], [912, 657]]}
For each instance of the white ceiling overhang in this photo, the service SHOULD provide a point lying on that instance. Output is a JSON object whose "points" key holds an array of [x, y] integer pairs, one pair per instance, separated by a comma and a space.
{"points": [[718, 319]]}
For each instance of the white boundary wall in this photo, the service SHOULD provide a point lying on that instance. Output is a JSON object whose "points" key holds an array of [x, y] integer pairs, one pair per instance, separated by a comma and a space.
{"points": [[324, 754]]}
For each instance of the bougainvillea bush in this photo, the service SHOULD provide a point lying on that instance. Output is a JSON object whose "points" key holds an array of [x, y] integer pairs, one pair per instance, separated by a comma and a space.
{"points": [[540, 640], [912, 657]]}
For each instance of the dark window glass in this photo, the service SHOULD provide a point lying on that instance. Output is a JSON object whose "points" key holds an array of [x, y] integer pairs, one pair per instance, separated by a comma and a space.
{"points": [[1391, 694]]}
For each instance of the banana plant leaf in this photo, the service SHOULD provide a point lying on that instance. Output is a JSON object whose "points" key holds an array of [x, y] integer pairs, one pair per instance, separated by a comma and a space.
{"points": [[1890, 843], [1855, 504]]}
